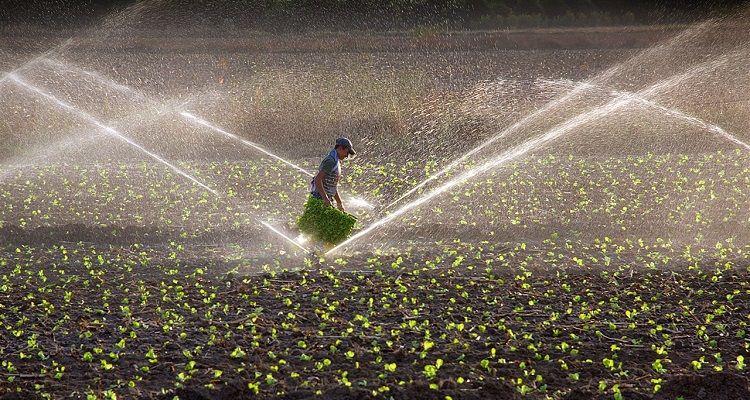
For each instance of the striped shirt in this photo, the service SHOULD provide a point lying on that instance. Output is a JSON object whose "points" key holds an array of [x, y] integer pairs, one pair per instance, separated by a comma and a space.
{"points": [[332, 168]]}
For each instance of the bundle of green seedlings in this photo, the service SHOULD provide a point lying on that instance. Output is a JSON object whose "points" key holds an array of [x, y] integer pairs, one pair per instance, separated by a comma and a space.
{"points": [[325, 223]]}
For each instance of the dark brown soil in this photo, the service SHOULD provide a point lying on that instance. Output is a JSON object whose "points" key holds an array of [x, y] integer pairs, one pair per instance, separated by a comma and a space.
{"points": [[720, 386], [578, 394], [303, 317], [713, 386], [497, 391]]}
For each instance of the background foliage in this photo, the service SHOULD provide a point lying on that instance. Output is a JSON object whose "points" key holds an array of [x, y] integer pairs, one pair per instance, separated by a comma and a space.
{"points": [[304, 15]]}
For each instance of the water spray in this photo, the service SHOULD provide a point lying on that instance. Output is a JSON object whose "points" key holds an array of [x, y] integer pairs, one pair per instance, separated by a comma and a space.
{"points": [[98, 77], [200, 121], [288, 239], [355, 202], [672, 112], [60, 146], [505, 132], [690, 119], [113, 132], [358, 202], [107, 129], [38, 58], [551, 135], [697, 122], [185, 114], [577, 90], [134, 9]]}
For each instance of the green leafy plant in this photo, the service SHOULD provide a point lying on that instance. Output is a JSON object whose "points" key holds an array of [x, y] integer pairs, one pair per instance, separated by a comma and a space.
{"points": [[324, 223]]}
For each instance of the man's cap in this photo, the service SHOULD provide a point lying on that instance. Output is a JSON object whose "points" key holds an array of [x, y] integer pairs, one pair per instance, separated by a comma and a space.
{"points": [[347, 144]]}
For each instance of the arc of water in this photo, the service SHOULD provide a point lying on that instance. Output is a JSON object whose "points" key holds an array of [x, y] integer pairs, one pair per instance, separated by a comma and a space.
{"points": [[550, 135], [113, 132], [288, 239], [109, 22], [672, 112], [28, 64], [107, 129], [185, 114], [58, 147], [579, 89], [356, 202], [100, 78], [200, 121], [696, 121]]}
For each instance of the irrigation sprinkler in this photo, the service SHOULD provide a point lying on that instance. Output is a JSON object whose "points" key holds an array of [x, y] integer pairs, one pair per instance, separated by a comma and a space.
{"points": [[191, 117], [107, 129], [551, 134], [543, 111], [115, 133], [356, 202]]}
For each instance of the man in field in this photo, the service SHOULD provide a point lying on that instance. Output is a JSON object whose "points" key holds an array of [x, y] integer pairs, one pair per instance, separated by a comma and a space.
{"points": [[324, 184], [320, 220]]}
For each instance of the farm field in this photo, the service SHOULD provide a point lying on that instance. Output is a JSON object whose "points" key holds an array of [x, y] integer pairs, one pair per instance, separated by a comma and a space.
{"points": [[541, 215], [148, 303]]}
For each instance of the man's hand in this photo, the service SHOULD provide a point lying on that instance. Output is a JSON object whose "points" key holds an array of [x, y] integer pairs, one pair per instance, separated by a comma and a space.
{"points": [[339, 203]]}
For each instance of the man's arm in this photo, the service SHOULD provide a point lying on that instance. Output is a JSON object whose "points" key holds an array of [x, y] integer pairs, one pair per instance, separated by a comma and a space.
{"points": [[319, 187]]}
